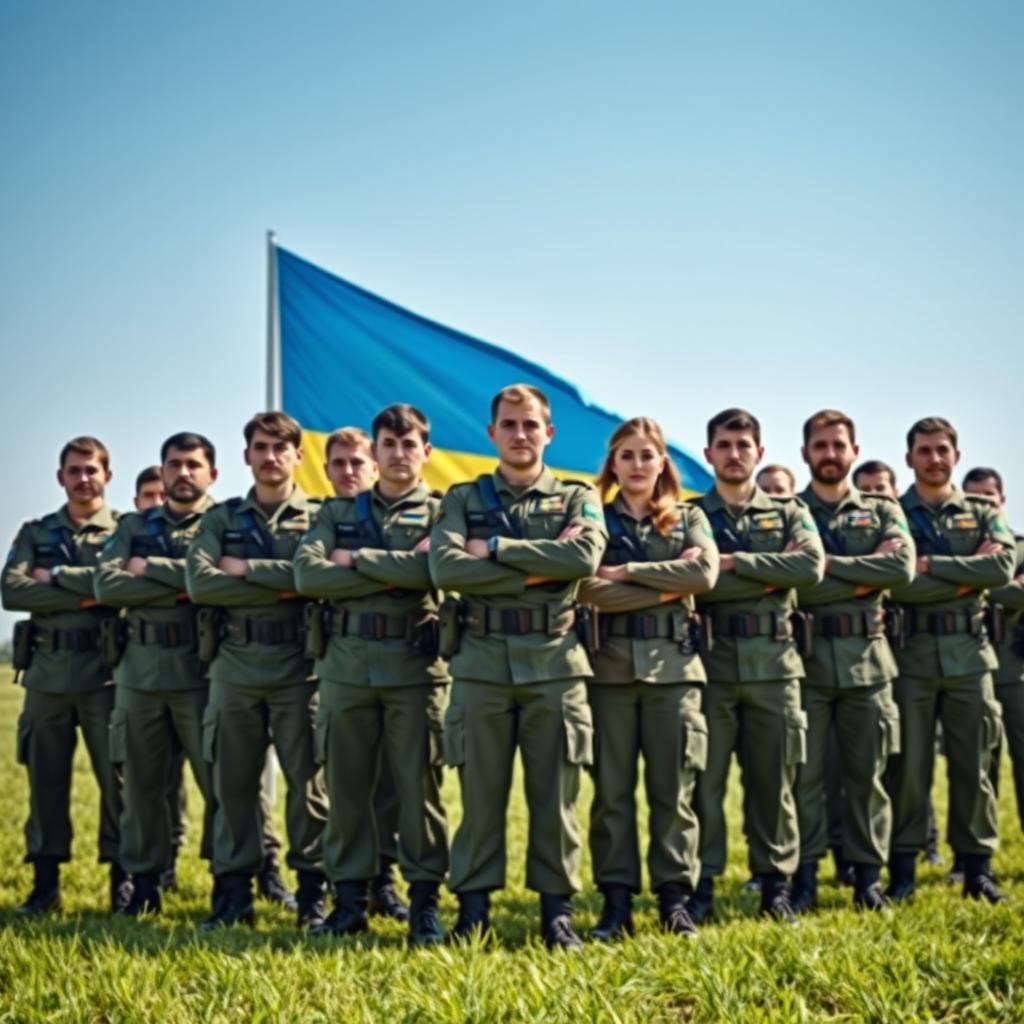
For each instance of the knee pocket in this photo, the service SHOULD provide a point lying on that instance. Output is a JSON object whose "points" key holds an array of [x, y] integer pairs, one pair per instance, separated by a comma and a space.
{"points": [[24, 737], [321, 735], [796, 737], [211, 721], [695, 741], [453, 736], [118, 736], [578, 725]]}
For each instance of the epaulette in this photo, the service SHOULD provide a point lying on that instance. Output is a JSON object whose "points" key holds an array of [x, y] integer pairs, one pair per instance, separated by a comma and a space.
{"points": [[981, 499], [875, 496], [586, 484], [788, 499]]}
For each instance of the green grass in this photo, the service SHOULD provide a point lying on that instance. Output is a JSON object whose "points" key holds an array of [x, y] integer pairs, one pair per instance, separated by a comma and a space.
{"points": [[940, 959]]}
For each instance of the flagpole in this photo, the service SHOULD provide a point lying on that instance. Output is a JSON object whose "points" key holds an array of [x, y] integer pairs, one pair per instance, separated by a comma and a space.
{"points": [[273, 327]]}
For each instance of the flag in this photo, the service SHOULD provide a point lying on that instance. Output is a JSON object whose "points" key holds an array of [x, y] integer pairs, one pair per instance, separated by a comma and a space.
{"points": [[346, 354]]}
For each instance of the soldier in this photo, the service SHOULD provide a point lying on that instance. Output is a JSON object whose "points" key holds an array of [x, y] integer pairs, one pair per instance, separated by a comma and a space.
{"points": [[149, 489], [382, 684], [646, 692], [514, 544], [851, 666], [964, 548], [161, 687], [768, 546], [875, 477], [777, 480], [49, 573], [240, 564]]}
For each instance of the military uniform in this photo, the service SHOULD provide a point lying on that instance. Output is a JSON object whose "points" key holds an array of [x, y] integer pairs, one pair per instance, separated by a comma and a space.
{"points": [[519, 673], [849, 673], [754, 668], [161, 686], [946, 667], [68, 682]]}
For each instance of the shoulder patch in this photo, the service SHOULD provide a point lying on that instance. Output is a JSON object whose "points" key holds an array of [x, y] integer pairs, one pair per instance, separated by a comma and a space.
{"points": [[592, 512]]}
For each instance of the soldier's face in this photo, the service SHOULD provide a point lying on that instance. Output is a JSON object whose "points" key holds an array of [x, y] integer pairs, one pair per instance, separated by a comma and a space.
{"points": [[83, 477], [351, 469], [830, 453], [520, 432], [273, 460], [637, 464], [876, 483], [150, 495], [734, 454], [987, 487], [187, 474], [933, 458], [775, 482], [400, 457]]}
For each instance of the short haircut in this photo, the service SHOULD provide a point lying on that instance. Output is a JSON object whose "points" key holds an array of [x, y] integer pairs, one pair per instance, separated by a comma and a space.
{"points": [[276, 424], [517, 393], [931, 425], [86, 445], [982, 473], [401, 419], [829, 418], [186, 441], [151, 474], [872, 466], [777, 467], [734, 419], [348, 437]]}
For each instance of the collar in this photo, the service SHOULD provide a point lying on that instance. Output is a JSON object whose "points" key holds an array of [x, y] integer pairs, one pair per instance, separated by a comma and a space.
{"points": [[546, 483], [417, 496], [758, 500], [102, 519], [163, 512], [297, 501], [912, 499], [853, 498]]}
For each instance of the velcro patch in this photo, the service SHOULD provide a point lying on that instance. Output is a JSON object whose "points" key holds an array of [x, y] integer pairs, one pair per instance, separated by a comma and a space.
{"points": [[545, 506], [592, 512], [860, 517], [964, 521], [412, 518], [767, 521]]}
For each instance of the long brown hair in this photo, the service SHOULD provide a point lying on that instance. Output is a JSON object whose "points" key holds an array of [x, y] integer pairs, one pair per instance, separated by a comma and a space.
{"points": [[664, 513]]}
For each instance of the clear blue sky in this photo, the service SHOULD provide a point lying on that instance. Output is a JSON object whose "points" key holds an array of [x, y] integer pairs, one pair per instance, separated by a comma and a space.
{"points": [[678, 206]]}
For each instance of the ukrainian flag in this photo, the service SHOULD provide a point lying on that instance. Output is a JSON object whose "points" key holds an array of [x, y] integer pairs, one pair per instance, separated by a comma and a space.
{"points": [[345, 354]]}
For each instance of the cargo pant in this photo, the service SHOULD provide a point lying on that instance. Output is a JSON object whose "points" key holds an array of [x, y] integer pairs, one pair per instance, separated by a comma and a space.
{"points": [[1010, 697]]}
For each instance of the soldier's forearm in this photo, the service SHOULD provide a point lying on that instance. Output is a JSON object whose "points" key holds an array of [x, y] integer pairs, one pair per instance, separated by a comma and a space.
{"points": [[979, 572], [409, 570], [168, 571], [77, 578], [24, 594], [801, 568], [272, 573], [879, 572], [609, 596], [679, 576], [553, 559]]}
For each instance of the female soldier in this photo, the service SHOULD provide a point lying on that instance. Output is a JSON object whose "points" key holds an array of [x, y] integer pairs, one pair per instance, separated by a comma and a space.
{"points": [[646, 690]]}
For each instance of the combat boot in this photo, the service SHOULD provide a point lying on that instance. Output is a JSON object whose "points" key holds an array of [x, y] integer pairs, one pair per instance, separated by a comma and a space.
{"points": [[556, 922], [45, 895], [169, 876], [271, 885], [424, 924], [145, 895], [474, 915], [672, 912], [775, 898], [616, 916], [845, 873], [701, 905], [121, 887], [233, 902], [384, 901], [804, 892], [978, 880], [959, 871], [349, 916], [311, 911], [901, 877], [867, 891]]}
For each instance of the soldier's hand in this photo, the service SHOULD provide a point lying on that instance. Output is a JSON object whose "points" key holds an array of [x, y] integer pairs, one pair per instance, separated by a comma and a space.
{"points": [[136, 565], [424, 545], [888, 546], [615, 573], [342, 557], [232, 566], [42, 576], [727, 563], [569, 532], [689, 554], [790, 547], [989, 547], [924, 565], [861, 590], [477, 547]]}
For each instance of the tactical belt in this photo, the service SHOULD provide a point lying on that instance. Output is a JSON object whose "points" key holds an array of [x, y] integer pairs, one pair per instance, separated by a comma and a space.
{"points": [[646, 625], [51, 640], [371, 625], [945, 623], [835, 627], [262, 631], [163, 634], [775, 625], [481, 620]]}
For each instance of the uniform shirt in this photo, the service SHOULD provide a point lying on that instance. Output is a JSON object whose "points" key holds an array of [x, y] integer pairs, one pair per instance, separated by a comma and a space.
{"points": [[59, 605], [624, 659], [856, 526], [762, 583], [267, 591], [392, 581], [1011, 597], [541, 511], [964, 521], [157, 597]]}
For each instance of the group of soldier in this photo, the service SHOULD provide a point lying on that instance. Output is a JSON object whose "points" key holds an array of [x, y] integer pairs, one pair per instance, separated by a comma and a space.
{"points": [[374, 638]]}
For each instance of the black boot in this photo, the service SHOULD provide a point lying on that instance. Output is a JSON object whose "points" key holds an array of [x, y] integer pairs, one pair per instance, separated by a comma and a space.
{"points": [[120, 888], [349, 916], [931, 851], [901, 877], [701, 904], [616, 916], [271, 885], [424, 924], [474, 915], [233, 901], [556, 922], [845, 874], [867, 891], [775, 898], [169, 876], [959, 872], [384, 900], [978, 880], [804, 891], [672, 913], [145, 895], [310, 898], [45, 894]]}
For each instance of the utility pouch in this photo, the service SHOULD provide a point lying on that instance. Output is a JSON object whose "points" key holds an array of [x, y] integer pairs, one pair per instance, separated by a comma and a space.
{"points": [[803, 632], [895, 625], [995, 623], [113, 640], [210, 628], [449, 627], [701, 637], [316, 629], [587, 628], [424, 636], [22, 648]]}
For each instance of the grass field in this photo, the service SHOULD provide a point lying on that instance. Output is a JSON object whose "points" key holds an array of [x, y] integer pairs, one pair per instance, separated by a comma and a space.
{"points": [[940, 959]]}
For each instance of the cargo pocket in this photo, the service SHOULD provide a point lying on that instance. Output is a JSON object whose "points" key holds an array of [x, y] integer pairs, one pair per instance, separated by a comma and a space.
{"points": [[321, 734], [796, 737], [992, 726], [695, 742], [118, 736], [890, 726], [24, 737], [453, 739], [579, 734], [211, 718]]}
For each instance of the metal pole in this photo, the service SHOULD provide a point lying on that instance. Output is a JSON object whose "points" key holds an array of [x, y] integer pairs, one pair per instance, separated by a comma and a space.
{"points": [[273, 327]]}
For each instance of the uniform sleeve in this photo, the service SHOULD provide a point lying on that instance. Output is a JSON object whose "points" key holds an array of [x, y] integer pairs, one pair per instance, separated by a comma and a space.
{"points": [[451, 568], [206, 582], [925, 589], [880, 572], [562, 559], [408, 570], [276, 574], [802, 567], [1012, 595], [317, 576], [78, 579], [683, 576], [980, 572], [611, 596], [168, 571], [21, 593], [731, 587], [115, 587]]}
